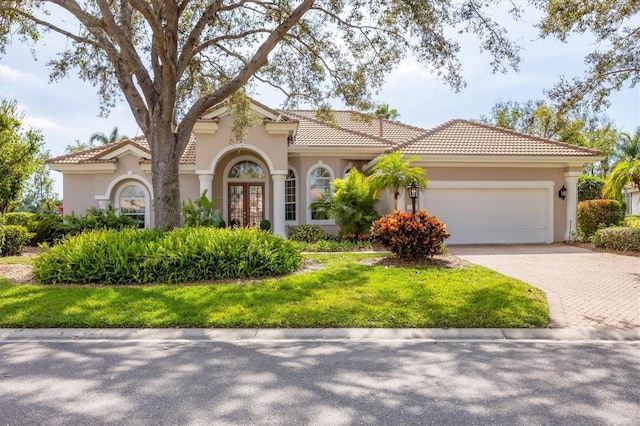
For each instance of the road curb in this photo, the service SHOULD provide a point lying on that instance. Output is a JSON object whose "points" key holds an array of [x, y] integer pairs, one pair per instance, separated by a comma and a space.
{"points": [[362, 334]]}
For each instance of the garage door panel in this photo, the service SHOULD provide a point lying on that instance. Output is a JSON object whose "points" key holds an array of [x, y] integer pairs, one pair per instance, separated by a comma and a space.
{"points": [[492, 215]]}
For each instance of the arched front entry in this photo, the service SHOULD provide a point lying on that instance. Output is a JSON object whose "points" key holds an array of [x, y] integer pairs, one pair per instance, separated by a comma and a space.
{"points": [[246, 185]]}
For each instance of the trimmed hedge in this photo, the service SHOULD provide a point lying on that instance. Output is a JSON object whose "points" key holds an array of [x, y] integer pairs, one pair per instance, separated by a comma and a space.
{"points": [[16, 237], [308, 233], [410, 236], [618, 238], [182, 255], [596, 214]]}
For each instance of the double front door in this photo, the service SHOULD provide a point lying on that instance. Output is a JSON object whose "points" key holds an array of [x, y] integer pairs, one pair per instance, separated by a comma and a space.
{"points": [[246, 204]]}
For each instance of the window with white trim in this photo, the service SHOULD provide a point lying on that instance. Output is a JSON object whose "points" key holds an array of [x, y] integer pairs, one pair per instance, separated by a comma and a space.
{"points": [[290, 196], [132, 202], [628, 198], [319, 183]]}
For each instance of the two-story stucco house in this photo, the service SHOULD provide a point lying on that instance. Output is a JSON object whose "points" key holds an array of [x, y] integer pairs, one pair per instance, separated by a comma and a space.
{"points": [[489, 185]]}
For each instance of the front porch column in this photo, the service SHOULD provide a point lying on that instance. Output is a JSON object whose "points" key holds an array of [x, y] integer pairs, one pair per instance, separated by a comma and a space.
{"points": [[278, 204], [571, 183], [206, 184]]}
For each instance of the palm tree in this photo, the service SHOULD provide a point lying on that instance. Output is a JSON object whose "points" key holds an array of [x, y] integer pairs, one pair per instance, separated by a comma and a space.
{"points": [[352, 204], [629, 146], [104, 139], [394, 171], [627, 172], [389, 114]]}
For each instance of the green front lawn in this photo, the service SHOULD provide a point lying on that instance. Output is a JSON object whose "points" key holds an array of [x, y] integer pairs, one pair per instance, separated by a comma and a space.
{"points": [[345, 293]]}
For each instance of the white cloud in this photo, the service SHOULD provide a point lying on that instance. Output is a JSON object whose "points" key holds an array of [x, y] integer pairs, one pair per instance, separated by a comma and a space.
{"points": [[409, 70], [11, 74], [40, 123]]}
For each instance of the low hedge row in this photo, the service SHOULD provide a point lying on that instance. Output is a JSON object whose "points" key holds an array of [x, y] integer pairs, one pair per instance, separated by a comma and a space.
{"points": [[14, 238], [618, 238], [182, 255]]}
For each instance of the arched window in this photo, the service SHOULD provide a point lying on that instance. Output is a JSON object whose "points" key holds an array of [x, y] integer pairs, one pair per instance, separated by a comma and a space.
{"points": [[132, 202], [290, 196], [246, 170], [319, 183]]}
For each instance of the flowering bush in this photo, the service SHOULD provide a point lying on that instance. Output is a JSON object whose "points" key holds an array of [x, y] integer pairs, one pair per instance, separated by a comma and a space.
{"points": [[410, 236]]}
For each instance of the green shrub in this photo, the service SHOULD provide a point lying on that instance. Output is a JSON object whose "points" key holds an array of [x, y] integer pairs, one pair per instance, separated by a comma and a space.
{"points": [[48, 229], [334, 246], [16, 237], [631, 222], [25, 219], [590, 187], [265, 224], [202, 213], [596, 214], [618, 238], [95, 218], [1, 232], [130, 256], [307, 233], [410, 236]]}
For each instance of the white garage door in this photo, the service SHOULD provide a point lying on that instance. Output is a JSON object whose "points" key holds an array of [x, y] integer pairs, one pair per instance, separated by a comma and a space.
{"points": [[492, 212]]}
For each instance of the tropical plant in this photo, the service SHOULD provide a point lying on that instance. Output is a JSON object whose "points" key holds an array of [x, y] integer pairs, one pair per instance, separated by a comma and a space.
{"points": [[394, 171], [105, 139], [626, 173], [386, 112], [352, 203], [410, 236], [202, 213], [590, 187], [629, 146]]}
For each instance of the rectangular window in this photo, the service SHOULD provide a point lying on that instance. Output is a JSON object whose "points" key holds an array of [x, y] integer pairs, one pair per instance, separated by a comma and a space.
{"points": [[628, 198], [290, 196]]}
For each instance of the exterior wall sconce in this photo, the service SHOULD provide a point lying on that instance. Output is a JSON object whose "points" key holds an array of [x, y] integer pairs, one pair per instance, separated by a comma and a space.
{"points": [[413, 194], [563, 192]]}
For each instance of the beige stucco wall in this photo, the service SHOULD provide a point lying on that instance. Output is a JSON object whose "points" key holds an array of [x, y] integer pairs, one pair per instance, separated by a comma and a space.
{"points": [[79, 193]]}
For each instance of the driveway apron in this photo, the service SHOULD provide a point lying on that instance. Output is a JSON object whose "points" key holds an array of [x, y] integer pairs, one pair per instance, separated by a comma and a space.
{"points": [[584, 288]]}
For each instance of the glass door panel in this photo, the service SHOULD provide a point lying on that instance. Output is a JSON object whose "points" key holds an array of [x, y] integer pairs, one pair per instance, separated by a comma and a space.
{"points": [[237, 211], [256, 204]]}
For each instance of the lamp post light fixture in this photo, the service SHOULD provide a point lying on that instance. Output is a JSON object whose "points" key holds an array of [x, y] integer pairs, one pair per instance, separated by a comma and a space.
{"points": [[563, 192], [413, 194]]}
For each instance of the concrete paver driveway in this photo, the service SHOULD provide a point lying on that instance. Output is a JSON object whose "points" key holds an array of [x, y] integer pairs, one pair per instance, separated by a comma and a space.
{"points": [[584, 288]]}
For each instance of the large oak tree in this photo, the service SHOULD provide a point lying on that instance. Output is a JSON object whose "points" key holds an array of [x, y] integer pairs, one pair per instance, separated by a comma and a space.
{"points": [[174, 59]]}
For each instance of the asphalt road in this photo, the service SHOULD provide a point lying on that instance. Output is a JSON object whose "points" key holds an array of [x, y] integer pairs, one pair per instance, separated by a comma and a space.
{"points": [[299, 382]]}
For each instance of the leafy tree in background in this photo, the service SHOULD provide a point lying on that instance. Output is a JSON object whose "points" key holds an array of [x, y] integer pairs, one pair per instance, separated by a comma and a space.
{"points": [[614, 61], [173, 60], [104, 139], [394, 171], [388, 113], [539, 119], [18, 154], [38, 195]]}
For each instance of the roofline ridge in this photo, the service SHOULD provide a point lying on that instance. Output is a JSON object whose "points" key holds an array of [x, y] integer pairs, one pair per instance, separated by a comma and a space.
{"points": [[533, 137], [355, 132], [398, 123]]}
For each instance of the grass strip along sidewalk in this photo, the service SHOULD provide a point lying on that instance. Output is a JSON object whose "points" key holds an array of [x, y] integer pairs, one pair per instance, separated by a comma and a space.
{"points": [[346, 290]]}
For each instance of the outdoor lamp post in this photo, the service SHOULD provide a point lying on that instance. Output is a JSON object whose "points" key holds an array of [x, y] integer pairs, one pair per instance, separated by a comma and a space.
{"points": [[413, 194]]}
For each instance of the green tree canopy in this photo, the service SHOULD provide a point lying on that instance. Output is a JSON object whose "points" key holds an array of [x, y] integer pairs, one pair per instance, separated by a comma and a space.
{"points": [[173, 60], [627, 172], [394, 171], [38, 195], [628, 147], [18, 153], [613, 63]]}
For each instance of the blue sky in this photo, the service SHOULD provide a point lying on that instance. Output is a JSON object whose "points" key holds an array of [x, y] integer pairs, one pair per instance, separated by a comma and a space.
{"points": [[68, 109]]}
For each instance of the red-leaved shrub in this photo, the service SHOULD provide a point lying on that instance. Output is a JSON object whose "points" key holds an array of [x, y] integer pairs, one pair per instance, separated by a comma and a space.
{"points": [[596, 214], [410, 236]]}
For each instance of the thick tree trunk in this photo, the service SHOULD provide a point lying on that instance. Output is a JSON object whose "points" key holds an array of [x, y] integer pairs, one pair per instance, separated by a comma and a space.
{"points": [[165, 160]]}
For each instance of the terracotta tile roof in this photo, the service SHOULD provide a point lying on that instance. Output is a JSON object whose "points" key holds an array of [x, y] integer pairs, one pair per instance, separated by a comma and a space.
{"points": [[465, 137], [360, 123], [93, 155]]}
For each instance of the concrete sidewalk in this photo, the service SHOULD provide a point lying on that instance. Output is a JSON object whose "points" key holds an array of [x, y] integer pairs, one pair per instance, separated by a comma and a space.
{"points": [[351, 334]]}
